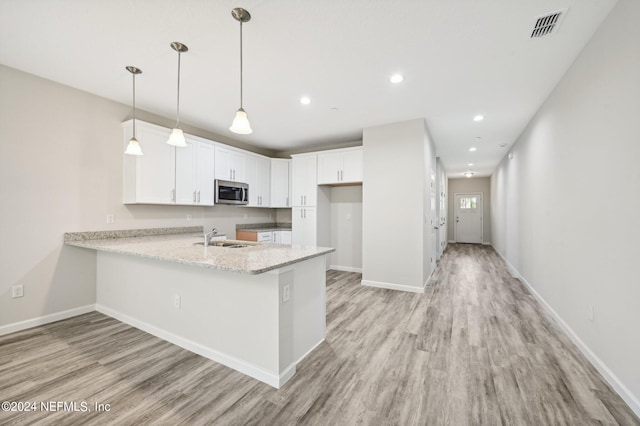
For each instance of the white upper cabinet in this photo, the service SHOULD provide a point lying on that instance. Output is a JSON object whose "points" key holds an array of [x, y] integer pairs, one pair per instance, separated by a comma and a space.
{"points": [[166, 174], [230, 164], [258, 176], [340, 166], [304, 179], [195, 172], [149, 178], [280, 182]]}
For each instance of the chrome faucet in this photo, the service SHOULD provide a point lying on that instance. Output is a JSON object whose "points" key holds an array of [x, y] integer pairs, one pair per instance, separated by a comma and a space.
{"points": [[209, 235]]}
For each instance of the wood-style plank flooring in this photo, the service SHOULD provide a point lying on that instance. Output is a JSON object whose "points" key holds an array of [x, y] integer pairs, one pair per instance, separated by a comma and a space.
{"points": [[475, 349]]}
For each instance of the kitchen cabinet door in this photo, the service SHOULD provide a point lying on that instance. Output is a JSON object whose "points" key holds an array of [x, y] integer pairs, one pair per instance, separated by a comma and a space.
{"points": [[280, 186], [230, 164], [351, 166], [340, 166], [205, 161], [186, 173], [304, 179], [149, 178], [258, 176], [194, 173], [329, 168], [303, 230]]}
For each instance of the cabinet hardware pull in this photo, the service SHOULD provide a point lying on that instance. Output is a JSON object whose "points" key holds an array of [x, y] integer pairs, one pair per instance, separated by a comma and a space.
{"points": [[198, 196], [338, 173], [194, 196]]}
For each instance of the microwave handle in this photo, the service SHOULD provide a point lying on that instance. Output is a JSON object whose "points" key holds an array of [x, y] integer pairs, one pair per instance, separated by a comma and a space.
{"points": [[244, 194]]}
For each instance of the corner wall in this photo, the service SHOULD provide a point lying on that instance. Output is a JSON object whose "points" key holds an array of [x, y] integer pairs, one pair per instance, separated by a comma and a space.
{"points": [[396, 231], [565, 208]]}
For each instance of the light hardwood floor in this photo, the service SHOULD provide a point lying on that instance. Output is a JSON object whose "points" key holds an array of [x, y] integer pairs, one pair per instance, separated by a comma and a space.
{"points": [[475, 349]]}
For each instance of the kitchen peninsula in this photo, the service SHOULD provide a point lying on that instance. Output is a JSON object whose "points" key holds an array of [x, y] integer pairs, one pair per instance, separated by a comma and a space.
{"points": [[259, 308]]}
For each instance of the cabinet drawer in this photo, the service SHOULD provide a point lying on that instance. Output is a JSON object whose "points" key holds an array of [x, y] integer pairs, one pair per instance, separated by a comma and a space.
{"points": [[264, 237]]}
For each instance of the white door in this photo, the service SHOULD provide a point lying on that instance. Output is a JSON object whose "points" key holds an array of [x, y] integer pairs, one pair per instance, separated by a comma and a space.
{"points": [[468, 210]]}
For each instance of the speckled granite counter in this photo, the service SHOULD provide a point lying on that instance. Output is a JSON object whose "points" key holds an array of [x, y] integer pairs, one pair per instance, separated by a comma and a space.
{"points": [[184, 249]]}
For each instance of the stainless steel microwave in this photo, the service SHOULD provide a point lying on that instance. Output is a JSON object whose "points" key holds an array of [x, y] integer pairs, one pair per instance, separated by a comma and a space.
{"points": [[228, 192]]}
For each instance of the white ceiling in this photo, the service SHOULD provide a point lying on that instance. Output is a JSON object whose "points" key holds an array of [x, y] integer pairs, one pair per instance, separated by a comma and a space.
{"points": [[459, 58]]}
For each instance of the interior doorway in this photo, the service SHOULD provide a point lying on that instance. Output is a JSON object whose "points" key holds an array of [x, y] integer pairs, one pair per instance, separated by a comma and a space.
{"points": [[468, 217]]}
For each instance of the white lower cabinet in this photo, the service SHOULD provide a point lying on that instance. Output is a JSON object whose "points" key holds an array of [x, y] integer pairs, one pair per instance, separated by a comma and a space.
{"points": [[303, 231], [282, 237], [265, 237]]}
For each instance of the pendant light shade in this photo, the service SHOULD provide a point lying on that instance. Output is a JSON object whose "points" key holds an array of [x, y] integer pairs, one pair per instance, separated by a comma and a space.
{"points": [[240, 123], [134, 148], [177, 137]]}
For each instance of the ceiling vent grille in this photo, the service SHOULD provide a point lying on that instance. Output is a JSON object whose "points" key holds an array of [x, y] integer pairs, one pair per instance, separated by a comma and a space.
{"points": [[547, 24]]}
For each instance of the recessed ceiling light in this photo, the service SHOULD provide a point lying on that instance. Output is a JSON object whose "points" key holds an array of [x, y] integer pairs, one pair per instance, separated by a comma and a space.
{"points": [[396, 78], [473, 149], [305, 100], [469, 164], [478, 117]]}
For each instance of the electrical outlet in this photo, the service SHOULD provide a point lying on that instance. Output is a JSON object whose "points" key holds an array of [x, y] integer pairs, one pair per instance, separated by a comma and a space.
{"points": [[17, 291], [110, 218], [176, 301], [188, 217], [285, 293]]}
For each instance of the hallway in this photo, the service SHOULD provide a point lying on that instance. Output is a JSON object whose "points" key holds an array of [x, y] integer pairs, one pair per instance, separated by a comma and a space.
{"points": [[475, 349]]}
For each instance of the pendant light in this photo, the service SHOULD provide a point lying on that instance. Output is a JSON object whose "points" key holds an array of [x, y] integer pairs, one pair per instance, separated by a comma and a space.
{"points": [[177, 137], [240, 123], [134, 148]]}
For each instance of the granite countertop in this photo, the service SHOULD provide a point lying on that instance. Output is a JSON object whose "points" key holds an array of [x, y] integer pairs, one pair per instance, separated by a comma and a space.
{"points": [[262, 229], [183, 248]]}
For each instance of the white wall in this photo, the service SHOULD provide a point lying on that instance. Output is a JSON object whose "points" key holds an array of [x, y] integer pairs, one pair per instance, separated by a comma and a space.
{"points": [[346, 228], [61, 155], [466, 185], [565, 208], [396, 242]]}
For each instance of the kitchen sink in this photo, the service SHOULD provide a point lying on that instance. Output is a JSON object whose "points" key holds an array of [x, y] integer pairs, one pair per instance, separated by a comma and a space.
{"points": [[226, 244]]}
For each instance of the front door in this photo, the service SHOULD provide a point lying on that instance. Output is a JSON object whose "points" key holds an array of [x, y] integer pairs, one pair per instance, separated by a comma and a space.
{"points": [[468, 210]]}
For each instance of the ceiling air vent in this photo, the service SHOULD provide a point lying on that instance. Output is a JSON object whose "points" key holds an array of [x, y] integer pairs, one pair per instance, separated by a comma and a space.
{"points": [[548, 23]]}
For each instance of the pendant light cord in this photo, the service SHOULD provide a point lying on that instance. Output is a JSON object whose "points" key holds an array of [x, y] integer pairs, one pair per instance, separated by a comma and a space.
{"points": [[134, 105], [178, 102], [241, 64]]}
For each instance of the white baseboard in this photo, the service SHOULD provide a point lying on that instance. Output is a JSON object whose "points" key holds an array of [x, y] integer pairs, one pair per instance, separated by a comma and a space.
{"points": [[486, 244], [613, 380], [392, 286], [451, 241], [244, 367], [345, 268], [46, 319]]}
